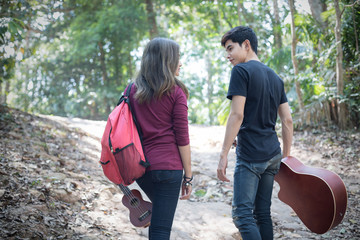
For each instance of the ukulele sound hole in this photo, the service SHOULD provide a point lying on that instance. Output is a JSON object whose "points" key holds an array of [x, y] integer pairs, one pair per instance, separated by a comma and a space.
{"points": [[134, 202]]}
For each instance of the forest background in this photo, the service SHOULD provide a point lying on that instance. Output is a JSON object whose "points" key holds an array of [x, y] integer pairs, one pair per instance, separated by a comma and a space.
{"points": [[74, 57]]}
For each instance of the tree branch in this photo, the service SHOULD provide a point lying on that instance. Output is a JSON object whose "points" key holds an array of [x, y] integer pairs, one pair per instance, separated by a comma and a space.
{"points": [[226, 19], [350, 5]]}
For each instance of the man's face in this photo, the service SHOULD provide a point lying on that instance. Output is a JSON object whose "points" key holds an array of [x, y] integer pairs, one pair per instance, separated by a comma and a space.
{"points": [[235, 53]]}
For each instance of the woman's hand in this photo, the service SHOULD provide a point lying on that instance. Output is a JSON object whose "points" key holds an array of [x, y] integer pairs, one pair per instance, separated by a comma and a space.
{"points": [[186, 189]]}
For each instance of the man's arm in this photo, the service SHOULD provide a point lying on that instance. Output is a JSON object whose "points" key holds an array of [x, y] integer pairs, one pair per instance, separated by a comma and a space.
{"points": [[234, 122], [287, 128]]}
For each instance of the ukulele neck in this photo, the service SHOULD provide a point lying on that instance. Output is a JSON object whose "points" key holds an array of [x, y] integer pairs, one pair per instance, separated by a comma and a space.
{"points": [[125, 189]]}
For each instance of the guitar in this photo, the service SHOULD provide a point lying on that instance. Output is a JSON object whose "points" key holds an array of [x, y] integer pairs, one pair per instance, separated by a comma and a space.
{"points": [[140, 210], [318, 196]]}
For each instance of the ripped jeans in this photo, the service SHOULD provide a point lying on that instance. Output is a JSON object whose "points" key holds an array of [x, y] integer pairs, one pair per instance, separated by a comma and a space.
{"points": [[253, 186]]}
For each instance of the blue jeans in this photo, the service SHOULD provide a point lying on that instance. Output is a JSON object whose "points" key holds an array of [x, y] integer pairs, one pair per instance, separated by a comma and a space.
{"points": [[163, 188], [253, 185]]}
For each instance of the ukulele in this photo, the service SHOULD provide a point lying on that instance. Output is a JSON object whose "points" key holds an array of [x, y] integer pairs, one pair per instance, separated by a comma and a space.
{"points": [[140, 210], [318, 196]]}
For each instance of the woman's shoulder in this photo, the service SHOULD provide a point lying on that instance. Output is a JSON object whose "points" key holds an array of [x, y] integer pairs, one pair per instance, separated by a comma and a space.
{"points": [[178, 91]]}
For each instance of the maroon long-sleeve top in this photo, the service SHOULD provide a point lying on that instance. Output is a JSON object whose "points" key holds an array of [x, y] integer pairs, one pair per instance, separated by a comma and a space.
{"points": [[164, 124]]}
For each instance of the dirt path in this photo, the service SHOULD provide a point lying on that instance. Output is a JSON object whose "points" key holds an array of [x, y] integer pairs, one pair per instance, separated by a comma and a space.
{"points": [[52, 186], [207, 215]]}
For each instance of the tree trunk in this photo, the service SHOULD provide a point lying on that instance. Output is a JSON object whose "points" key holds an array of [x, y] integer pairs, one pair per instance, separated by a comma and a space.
{"points": [[102, 64], [151, 19], [7, 90], [238, 8], [317, 7], [339, 68], [277, 26], [118, 79], [2, 96], [210, 88], [355, 32], [247, 17], [293, 55], [26, 101], [104, 75], [130, 67]]}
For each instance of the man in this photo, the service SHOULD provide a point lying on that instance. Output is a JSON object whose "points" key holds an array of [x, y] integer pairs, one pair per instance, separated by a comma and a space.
{"points": [[257, 95]]}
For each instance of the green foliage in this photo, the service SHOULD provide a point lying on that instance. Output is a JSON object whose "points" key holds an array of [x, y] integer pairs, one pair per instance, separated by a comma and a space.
{"points": [[279, 60], [82, 71], [75, 57], [10, 36], [200, 192]]}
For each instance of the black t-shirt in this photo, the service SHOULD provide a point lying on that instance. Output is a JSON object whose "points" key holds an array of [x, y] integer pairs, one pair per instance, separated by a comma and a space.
{"points": [[264, 92]]}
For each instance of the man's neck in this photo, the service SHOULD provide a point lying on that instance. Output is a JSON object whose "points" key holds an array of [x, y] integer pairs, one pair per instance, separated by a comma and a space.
{"points": [[252, 56]]}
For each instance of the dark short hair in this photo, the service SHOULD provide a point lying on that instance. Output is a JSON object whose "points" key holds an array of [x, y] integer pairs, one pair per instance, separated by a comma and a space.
{"points": [[240, 34]]}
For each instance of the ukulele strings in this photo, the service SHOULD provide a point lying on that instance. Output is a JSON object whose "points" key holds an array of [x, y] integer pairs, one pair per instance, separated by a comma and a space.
{"points": [[131, 196]]}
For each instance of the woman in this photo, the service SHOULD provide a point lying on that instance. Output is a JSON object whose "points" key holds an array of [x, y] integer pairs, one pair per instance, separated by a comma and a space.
{"points": [[159, 101]]}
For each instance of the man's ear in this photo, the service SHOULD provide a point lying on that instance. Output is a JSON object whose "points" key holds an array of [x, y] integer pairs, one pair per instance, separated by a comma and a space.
{"points": [[247, 44]]}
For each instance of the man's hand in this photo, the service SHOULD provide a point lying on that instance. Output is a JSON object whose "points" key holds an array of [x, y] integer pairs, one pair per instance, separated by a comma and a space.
{"points": [[221, 171]]}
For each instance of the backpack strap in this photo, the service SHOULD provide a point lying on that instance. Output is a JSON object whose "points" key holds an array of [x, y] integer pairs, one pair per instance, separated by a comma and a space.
{"points": [[127, 94], [126, 97]]}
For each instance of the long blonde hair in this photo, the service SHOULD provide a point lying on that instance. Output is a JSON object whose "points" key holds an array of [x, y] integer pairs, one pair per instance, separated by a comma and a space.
{"points": [[157, 72]]}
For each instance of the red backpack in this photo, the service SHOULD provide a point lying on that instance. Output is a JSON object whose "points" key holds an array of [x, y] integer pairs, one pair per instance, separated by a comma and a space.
{"points": [[122, 156]]}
